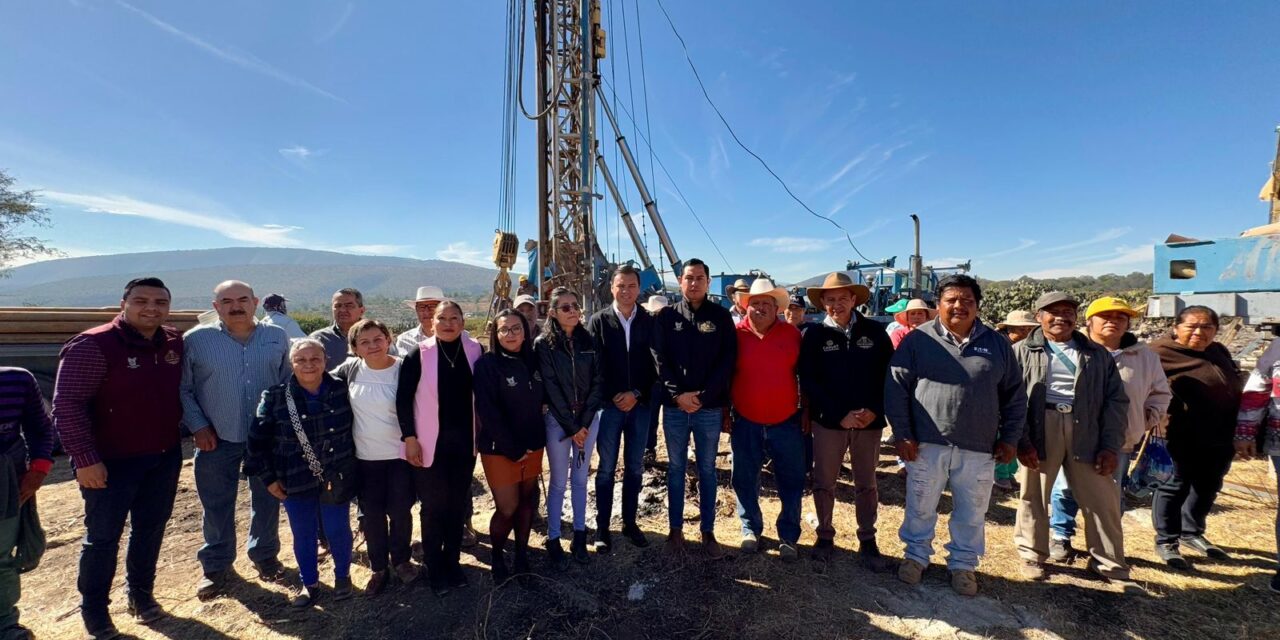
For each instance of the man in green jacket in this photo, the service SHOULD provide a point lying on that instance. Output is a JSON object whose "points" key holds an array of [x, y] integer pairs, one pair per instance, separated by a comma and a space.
{"points": [[1076, 416]]}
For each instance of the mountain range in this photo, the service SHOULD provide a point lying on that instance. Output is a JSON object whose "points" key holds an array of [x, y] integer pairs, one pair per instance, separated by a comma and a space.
{"points": [[307, 278]]}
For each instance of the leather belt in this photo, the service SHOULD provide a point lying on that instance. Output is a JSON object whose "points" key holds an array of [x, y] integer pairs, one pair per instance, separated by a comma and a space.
{"points": [[1060, 407]]}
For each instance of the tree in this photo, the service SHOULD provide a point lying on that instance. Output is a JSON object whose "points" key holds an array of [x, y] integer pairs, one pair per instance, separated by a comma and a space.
{"points": [[18, 208]]}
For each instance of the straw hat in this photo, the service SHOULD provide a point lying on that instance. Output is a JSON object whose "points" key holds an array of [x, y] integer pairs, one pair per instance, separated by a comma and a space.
{"points": [[429, 293], [839, 280], [762, 287], [1018, 319], [901, 316]]}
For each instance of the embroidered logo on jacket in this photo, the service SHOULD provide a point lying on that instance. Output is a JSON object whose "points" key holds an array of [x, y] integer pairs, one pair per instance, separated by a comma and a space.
{"points": [[830, 346], [133, 363], [172, 357], [707, 326], [864, 343], [511, 381], [679, 326]]}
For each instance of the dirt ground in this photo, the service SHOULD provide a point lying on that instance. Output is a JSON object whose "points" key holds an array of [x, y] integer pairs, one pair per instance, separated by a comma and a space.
{"points": [[640, 593]]}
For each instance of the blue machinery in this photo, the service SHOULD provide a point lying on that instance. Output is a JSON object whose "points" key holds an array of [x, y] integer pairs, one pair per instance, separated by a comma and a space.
{"points": [[1233, 276]]}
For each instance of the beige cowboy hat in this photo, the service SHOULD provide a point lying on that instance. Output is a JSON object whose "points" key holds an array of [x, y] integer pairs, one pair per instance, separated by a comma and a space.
{"points": [[429, 293], [915, 304], [655, 304], [739, 285], [762, 287], [1018, 319], [839, 280]]}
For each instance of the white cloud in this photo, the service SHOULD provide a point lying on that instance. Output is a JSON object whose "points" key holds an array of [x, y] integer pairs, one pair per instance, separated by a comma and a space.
{"points": [[338, 24], [464, 252], [375, 249], [1122, 259], [1022, 244], [1106, 235], [272, 235], [241, 59], [297, 152], [791, 245], [848, 166]]}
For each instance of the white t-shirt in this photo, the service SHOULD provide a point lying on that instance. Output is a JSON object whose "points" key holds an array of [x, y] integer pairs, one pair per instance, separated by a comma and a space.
{"points": [[373, 404], [1062, 382]]}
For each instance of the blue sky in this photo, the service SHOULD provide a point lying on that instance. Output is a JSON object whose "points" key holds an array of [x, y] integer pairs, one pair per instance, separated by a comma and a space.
{"points": [[1038, 138]]}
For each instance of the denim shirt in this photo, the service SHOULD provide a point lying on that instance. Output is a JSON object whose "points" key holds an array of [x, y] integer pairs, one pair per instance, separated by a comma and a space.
{"points": [[223, 380]]}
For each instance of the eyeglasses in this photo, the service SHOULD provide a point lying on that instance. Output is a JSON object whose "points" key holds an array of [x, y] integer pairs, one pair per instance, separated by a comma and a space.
{"points": [[510, 331], [568, 306]]}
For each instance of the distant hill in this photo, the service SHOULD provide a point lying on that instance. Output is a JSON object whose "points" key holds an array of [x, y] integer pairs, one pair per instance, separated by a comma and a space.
{"points": [[308, 278]]}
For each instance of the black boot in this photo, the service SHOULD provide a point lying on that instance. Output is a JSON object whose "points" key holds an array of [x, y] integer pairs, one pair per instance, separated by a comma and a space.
{"points": [[604, 541], [579, 547], [555, 555], [498, 567]]}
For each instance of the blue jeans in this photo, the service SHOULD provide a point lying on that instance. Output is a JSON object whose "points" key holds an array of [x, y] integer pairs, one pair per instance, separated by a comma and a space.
{"points": [[568, 464], [1062, 518], [142, 490], [970, 475], [217, 482], [785, 444], [628, 431], [704, 426], [304, 511]]}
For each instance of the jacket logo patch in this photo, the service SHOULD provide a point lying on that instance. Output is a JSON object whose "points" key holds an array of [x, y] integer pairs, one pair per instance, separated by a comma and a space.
{"points": [[830, 346], [983, 350], [864, 343], [133, 363], [707, 327], [511, 381], [537, 375], [679, 326], [172, 357]]}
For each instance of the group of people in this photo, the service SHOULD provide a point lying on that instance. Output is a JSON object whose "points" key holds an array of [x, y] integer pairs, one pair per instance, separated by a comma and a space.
{"points": [[353, 413]]}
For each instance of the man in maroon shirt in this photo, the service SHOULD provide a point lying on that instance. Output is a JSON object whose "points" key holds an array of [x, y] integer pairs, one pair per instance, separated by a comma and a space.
{"points": [[117, 410], [765, 398]]}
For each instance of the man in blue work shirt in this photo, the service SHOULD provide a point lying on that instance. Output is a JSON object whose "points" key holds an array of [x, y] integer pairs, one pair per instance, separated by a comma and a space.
{"points": [[227, 366]]}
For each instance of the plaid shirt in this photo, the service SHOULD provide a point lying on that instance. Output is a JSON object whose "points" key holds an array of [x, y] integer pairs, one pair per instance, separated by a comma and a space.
{"points": [[23, 417], [273, 451]]}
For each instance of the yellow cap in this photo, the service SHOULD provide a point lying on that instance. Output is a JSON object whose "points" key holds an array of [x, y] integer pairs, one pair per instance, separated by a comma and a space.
{"points": [[1108, 303]]}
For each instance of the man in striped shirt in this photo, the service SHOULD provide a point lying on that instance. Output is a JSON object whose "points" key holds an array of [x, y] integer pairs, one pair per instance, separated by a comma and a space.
{"points": [[228, 365], [25, 433], [116, 408]]}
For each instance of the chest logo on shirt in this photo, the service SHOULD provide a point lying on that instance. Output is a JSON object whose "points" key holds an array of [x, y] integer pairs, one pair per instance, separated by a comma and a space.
{"points": [[511, 381], [537, 376], [864, 343], [172, 357], [133, 363], [983, 350], [679, 326], [707, 326], [830, 346]]}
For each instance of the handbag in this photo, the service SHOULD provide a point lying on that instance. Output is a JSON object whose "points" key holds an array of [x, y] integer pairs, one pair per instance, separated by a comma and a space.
{"points": [[338, 486], [1154, 466]]}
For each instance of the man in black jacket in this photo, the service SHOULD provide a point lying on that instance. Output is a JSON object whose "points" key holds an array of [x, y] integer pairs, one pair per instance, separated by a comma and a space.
{"points": [[695, 347], [623, 333], [843, 363]]}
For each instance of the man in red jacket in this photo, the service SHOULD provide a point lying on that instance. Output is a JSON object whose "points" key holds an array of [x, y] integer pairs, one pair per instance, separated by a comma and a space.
{"points": [[765, 398], [117, 410]]}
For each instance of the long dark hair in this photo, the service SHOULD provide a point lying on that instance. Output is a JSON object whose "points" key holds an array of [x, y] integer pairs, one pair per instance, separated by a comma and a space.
{"points": [[552, 329], [526, 347]]}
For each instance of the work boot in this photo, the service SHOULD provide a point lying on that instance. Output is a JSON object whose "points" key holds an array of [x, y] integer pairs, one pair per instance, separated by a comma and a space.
{"points": [[823, 548], [1032, 570], [144, 608], [1169, 553], [377, 583], [579, 547], [1199, 543], [98, 625], [750, 543], [964, 583], [910, 571], [303, 595], [675, 542], [407, 572], [604, 541], [710, 547], [457, 578], [342, 588], [1060, 550], [270, 570], [872, 559], [635, 535], [787, 551], [212, 585]]}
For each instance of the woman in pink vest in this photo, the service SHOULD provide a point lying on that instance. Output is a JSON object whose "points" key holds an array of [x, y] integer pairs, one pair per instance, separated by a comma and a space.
{"points": [[436, 410]]}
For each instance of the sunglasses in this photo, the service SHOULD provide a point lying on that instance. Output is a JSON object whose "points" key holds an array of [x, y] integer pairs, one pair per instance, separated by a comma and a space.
{"points": [[568, 306]]}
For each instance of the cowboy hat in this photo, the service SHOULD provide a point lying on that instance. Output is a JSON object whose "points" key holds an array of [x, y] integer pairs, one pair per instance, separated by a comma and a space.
{"points": [[655, 304], [739, 285], [1018, 319], [428, 293], [761, 287], [839, 280], [916, 303]]}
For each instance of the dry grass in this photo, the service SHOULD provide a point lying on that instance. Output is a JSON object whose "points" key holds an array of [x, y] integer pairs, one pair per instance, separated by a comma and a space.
{"points": [[690, 597]]}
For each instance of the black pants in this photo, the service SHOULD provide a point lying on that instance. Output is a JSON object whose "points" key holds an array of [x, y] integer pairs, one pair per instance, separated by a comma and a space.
{"points": [[445, 491], [387, 494], [141, 489], [1180, 505]]}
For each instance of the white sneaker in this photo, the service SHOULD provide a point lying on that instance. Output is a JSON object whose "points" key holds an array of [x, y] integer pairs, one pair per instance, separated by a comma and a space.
{"points": [[750, 543]]}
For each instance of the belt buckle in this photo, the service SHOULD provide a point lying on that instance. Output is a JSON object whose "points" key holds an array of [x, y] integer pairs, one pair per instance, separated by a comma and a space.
{"points": [[1062, 407]]}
